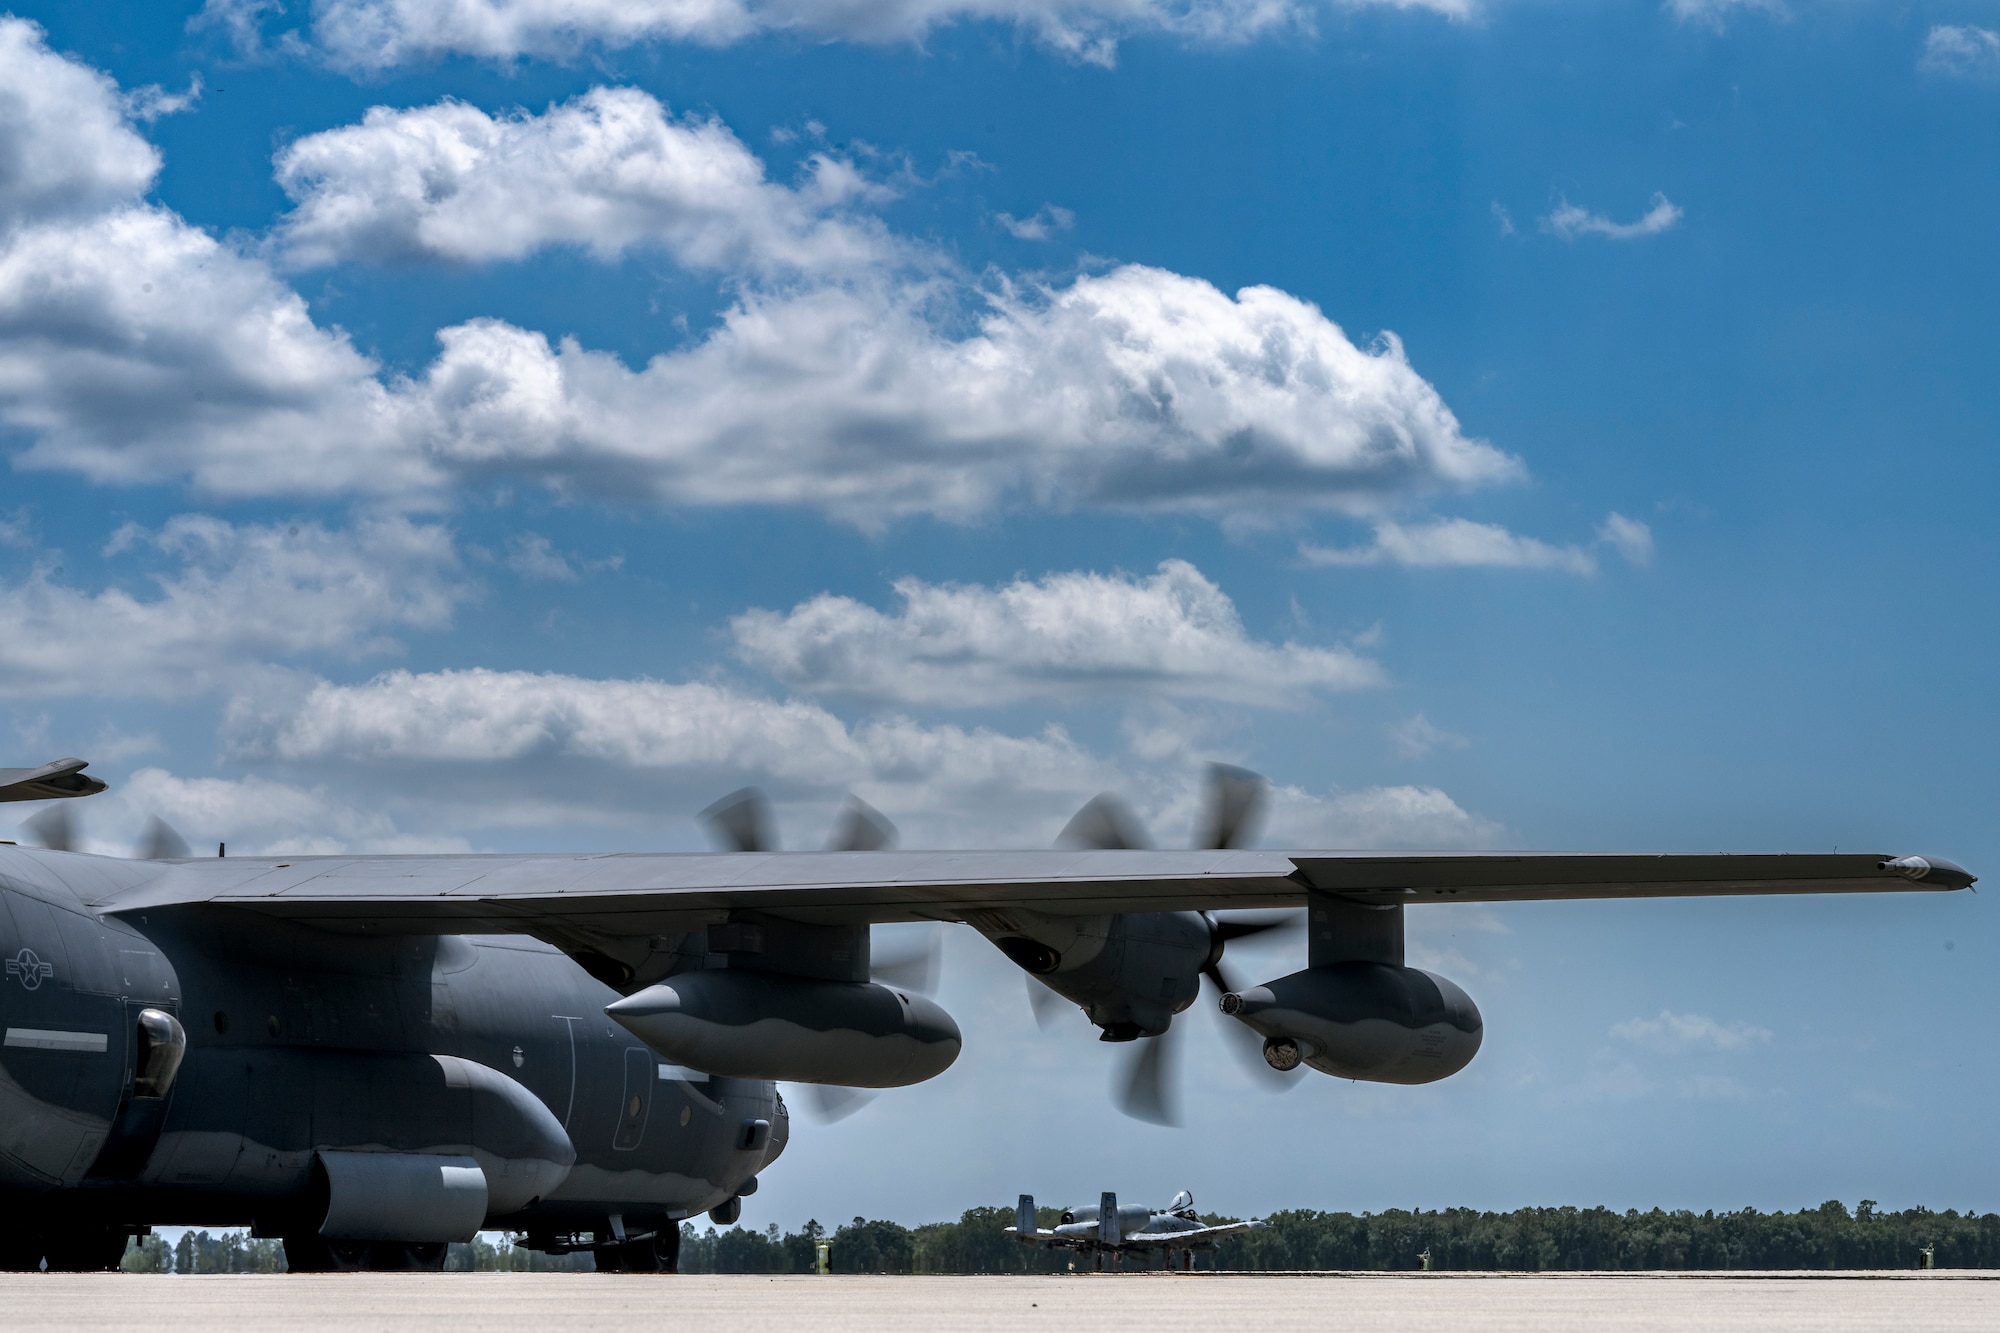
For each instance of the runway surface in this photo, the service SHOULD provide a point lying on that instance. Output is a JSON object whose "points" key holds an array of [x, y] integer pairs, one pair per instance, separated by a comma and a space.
{"points": [[1421, 1303]]}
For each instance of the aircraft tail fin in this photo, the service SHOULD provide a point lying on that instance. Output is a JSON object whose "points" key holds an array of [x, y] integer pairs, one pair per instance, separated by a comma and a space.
{"points": [[1025, 1226], [1108, 1230]]}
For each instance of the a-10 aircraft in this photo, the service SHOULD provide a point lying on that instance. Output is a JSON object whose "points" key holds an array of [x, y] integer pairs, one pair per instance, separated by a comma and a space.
{"points": [[373, 1056], [1108, 1229]]}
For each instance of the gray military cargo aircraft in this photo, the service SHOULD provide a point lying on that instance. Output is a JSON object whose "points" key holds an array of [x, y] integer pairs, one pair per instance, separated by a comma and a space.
{"points": [[373, 1056], [1108, 1229]]}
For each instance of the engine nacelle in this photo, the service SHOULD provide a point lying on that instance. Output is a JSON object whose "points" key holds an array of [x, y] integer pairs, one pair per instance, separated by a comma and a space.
{"points": [[1130, 973], [738, 1023], [1363, 1020]]}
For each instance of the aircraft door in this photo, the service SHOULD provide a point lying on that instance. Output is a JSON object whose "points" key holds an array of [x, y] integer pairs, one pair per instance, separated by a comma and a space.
{"points": [[637, 1102]]}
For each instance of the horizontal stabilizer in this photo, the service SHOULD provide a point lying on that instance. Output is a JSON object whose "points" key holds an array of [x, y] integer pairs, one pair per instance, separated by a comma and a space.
{"points": [[54, 781]]}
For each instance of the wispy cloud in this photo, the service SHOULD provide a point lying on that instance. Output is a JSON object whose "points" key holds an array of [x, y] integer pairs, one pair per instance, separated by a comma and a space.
{"points": [[1045, 222], [372, 35], [227, 598], [1569, 221], [149, 103], [1675, 1033], [1460, 543], [1627, 536], [1715, 14], [1955, 52], [1418, 736]]}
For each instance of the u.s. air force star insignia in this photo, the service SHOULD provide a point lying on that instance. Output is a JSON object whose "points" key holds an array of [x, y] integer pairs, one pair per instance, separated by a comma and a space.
{"points": [[31, 970]]}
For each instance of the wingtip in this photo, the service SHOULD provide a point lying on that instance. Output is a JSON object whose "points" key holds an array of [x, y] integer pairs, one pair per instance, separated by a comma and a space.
{"points": [[1930, 871]]}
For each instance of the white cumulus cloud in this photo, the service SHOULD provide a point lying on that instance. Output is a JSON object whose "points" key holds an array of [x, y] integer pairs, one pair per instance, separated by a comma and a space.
{"points": [[504, 750], [135, 348], [556, 749], [139, 349], [1961, 51], [65, 145], [254, 815], [606, 171], [1569, 221], [1174, 634], [1376, 818], [1136, 389], [229, 597]]}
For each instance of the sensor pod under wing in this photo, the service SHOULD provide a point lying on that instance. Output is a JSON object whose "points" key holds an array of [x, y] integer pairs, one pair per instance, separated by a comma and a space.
{"points": [[744, 1024]]}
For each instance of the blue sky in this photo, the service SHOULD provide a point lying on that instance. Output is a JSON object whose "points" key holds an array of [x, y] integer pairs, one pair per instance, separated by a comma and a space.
{"points": [[1502, 424]]}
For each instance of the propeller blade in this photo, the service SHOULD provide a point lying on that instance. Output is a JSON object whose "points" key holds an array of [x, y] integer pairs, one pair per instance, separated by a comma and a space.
{"points": [[1235, 806], [162, 842], [1224, 929], [1048, 1005], [54, 829], [1104, 824], [831, 1103], [1146, 1088], [861, 828], [741, 822], [1247, 927], [914, 966]]}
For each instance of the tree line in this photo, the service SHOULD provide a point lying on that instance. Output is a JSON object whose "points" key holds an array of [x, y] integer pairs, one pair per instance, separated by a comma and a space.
{"points": [[1526, 1240], [1464, 1239]]}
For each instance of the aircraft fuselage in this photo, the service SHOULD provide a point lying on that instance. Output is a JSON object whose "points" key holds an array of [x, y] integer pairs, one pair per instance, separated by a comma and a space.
{"points": [[302, 1043]]}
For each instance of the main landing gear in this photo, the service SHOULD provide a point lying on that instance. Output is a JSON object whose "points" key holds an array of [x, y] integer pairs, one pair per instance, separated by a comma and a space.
{"points": [[316, 1254], [657, 1253], [63, 1248]]}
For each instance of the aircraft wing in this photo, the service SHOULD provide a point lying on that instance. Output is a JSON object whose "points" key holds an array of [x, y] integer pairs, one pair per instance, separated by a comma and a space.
{"points": [[52, 781], [636, 894], [1175, 1239]]}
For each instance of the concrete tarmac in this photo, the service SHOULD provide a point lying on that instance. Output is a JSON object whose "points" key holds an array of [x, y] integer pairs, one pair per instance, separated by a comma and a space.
{"points": [[1213, 1303]]}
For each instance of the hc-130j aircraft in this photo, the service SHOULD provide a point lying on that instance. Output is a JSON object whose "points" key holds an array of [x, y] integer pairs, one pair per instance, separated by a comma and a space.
{"points": [[1133, 1229], [372, 1056]]}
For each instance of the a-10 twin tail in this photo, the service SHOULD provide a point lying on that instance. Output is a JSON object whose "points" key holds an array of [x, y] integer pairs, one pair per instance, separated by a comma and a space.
{"points": [[373, 1056]]}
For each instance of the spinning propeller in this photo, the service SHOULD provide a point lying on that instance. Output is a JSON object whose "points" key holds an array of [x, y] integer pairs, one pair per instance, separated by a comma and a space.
{"points": [[57, 829], [1145, 1087]]}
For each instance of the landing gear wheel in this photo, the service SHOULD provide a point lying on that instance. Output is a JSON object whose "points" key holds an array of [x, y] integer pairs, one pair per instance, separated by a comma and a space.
{"points": [[86, 1250], [18, 1254], [389, 1256], [657, 1253], [427, 1256], [316, 1254]]}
